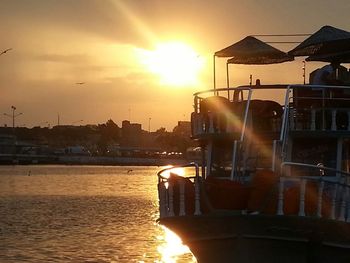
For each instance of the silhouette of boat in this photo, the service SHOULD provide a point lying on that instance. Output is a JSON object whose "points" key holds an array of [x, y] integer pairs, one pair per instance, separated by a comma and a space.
{"points": [[273, 185]]}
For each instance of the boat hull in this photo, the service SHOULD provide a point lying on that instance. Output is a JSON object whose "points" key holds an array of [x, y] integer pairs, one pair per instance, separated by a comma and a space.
{"points": [[224, 237]]}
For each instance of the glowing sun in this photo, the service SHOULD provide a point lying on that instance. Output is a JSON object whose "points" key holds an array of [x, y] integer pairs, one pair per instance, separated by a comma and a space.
{"points": [[175, 63]]}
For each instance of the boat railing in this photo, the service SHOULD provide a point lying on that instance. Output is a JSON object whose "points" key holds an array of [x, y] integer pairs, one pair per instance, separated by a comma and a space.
{"points": [[320, 119], [302, 111], [321, 196], [178, 195], [341, 175], [238, 93], [215, 123], [201, 95], [317, 108], [323, 113], [221, 119]]}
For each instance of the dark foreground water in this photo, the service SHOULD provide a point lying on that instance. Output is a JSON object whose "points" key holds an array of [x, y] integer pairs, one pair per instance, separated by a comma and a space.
{"points": [[83, 214]]}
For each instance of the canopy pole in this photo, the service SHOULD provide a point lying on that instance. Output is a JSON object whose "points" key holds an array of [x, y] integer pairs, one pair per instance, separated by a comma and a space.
{"points": [[304, 71], [214, 74], [228, 81]]}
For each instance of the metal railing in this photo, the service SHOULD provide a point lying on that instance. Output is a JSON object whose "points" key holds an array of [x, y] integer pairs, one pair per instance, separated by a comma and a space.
{"points": [[199, 96], [321, 196], [167, 196], [306, 119], [296, 118], [303, 114], [217, 122], [331, 190]]}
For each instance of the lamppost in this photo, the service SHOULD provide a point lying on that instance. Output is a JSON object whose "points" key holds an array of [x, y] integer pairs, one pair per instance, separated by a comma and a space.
{"points": [[13, 115], [149, 125]]}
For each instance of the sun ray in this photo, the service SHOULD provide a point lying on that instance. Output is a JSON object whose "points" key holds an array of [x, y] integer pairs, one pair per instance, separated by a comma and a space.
{"points": [[136, 22]]}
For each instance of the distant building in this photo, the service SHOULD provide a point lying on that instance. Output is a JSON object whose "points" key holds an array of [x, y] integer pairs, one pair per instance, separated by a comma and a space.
{"points": [[131, 133], [7, 144], [183, 128]]}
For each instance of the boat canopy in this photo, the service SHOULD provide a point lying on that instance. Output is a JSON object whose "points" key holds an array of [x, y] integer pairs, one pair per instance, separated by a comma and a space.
{"points": [[325, 41], [252, 51], [327, 44], [341, 57]]}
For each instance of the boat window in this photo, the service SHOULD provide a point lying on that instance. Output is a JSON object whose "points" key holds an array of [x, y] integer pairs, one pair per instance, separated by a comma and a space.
{"points": [[221, 159]]}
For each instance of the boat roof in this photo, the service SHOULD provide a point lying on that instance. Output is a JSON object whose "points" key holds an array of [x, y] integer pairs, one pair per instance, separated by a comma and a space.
{"points": [[326, 44]]}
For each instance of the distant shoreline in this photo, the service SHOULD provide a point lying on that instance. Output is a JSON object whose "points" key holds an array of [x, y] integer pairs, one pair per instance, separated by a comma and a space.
{"points": [[120, 161], [88, 160]]}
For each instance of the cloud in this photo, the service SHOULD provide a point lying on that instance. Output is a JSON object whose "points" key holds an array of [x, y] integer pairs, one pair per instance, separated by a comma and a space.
{"points": [[77, 58], [133, 21], [96, 17], [137, 22]]}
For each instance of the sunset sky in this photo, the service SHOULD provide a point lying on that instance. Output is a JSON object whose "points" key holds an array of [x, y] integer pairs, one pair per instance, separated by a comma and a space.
{"points": [[137, 59]]}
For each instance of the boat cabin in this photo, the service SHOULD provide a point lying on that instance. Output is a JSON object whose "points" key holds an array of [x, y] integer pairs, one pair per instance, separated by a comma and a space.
{"points": [[247, 133]]}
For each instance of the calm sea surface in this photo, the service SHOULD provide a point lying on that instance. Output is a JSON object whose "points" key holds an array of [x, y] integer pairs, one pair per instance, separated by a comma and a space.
{"points": [[83, 214]]}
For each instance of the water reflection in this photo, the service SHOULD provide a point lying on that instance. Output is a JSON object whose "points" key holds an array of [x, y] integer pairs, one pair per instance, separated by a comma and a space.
{"points": [[172, 250], [83, 214]]}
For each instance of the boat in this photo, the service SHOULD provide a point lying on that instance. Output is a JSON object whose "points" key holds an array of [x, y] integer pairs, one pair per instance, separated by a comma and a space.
{"points": [[274, 182]]}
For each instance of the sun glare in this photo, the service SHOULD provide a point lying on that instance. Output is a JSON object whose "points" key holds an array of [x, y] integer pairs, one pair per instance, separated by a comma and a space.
{"points": [[175, 63], [178, 171]]}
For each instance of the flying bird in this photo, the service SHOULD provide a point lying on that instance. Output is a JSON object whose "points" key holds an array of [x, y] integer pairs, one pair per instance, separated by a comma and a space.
{"points": [[80, 83], [6, 50]]}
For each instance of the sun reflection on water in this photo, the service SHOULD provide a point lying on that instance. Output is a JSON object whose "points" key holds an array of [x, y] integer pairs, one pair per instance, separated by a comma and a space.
{"points": [[173, 250]]}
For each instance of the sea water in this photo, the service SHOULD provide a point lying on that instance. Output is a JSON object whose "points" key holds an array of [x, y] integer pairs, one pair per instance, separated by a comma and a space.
{"points": [[83, 214]]}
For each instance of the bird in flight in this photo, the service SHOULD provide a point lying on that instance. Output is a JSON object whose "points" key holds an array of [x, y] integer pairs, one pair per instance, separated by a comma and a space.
{"points": [[80, 83], [6, 50]]}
